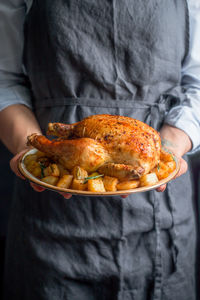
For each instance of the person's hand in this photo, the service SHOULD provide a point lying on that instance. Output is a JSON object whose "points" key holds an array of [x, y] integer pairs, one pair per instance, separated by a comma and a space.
{"points": [[178, 142], [14, 167]]}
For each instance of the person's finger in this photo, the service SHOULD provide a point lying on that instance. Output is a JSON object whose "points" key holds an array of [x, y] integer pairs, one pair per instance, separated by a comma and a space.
{"points": [[161, 188], [36, 187], [65, 195], [124, 196], [183, 167], [14, 164]]}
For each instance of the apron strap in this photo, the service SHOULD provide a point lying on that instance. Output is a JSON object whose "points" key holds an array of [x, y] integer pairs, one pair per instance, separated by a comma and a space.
{"points": [[158, 255], [158, 276], [173, 231]]}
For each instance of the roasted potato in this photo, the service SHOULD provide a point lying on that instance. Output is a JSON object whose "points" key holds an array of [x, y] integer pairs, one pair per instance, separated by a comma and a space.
{"points": [[52, 170], [162, 171], [127, 185], [50, 180], [148, 179], [37, 172], [31, 165], [62, 170], [110, 183], [79, 184], [29, 158], [65, 181], [166, 156], [79, 173], [96, 185], [171, 165]]}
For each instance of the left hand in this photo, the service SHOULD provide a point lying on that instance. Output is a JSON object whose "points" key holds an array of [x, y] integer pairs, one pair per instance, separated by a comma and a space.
{"points": [[14, 167], [179, 143]]}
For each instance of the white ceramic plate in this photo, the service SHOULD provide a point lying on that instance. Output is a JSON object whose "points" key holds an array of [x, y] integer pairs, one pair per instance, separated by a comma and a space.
{"points": [[35, 180]]}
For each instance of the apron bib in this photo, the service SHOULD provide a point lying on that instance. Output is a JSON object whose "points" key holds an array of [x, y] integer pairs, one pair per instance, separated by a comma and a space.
{"points": [[84, 58]]}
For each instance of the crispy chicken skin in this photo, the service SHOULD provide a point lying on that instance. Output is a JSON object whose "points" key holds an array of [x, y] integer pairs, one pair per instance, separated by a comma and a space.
{"points": [[103, 141]]}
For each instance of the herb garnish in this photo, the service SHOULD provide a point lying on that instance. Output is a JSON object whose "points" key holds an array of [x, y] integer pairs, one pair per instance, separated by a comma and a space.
{"points": [[172, 156], [42, 169], [158, 167], [92, 177]]}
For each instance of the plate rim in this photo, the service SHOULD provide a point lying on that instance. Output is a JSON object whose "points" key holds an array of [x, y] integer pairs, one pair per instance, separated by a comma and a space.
{"points": [[31, 178]]}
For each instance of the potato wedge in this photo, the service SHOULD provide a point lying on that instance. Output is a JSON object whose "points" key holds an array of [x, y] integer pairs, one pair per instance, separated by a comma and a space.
{"points": [[65, 181], [110, 183], [127, 185], [148, 179], [52, 170], [78, 184], [31, 165], [96, 185], [29, 158], [50, 180], [37, 172], [79, 173], [62, 170], [171, 165], [162, 171], [166, 156]]}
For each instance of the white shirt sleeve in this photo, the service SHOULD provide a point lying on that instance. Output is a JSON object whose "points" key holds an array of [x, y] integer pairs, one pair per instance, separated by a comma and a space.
{"points": [[187, 115], [13, 83]]}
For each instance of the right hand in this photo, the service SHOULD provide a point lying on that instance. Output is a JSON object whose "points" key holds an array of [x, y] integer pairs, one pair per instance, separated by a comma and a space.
{"points": [[14, 167]]}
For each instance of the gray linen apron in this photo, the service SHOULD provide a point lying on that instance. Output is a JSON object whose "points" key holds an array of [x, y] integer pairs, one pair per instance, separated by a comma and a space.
{"points": [[88, 57]]}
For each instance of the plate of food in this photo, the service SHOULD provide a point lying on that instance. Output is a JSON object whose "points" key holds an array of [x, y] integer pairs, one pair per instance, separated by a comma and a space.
{"points": [[102, 155]]}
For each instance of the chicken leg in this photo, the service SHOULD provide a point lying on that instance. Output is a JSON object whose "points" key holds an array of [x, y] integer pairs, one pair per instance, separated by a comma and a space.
{"points": [[83, 152]]}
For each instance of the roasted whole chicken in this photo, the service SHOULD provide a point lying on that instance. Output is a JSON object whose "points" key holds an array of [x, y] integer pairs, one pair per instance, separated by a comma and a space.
{"points": [[116, 146]]}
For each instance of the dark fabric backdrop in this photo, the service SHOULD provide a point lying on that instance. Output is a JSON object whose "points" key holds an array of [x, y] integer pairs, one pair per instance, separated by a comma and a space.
{"points": [[195, 165], [6, 189]]}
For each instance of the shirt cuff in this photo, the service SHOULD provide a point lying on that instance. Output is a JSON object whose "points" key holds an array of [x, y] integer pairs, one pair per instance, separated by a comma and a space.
{"points": [[15, 95], [183, 118]]}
